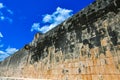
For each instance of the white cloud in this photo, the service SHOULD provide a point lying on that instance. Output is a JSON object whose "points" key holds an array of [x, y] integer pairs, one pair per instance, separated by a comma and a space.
{"points": [[47, 18], [10, 11], [9, 51], [5, 52], [3, 55], [1, 5], [52, 19], [35, 26], [2, 16], [1, 35]]}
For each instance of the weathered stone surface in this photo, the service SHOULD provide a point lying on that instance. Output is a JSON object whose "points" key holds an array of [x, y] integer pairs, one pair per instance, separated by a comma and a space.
{"points": [[84, 47]]}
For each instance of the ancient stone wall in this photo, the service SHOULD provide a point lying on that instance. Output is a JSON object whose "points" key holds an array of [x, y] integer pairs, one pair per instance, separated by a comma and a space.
{"points": [[84, 47]]}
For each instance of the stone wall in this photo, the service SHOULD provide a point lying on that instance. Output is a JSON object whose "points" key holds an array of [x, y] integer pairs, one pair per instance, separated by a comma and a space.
{"points": [[84, 47]]}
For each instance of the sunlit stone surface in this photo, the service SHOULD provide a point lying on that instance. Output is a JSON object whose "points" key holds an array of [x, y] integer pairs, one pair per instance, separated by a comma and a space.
{"points": [[84, 47]]}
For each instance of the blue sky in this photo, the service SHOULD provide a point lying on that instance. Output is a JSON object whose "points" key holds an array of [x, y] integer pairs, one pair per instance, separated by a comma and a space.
{"points": [[21, 19]]}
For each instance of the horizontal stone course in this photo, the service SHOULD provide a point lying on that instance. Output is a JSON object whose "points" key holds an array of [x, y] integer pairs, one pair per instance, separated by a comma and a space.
{"points": [[84, 47]]}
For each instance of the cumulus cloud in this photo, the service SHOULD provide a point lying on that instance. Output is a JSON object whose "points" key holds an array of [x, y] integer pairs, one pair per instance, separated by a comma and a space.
{"points": [[9, 11], [4, 17], [3, 55], [1, 5], [47, 18], [52, 20], [1, 35], [35, 26], [9, 51], [5, 52]]}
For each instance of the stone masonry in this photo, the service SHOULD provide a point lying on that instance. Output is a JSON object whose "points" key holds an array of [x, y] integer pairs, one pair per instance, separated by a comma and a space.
{"points": [[84, 47]]}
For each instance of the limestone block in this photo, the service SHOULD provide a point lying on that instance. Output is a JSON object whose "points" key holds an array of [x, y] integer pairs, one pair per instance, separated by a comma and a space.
{"points": [[75, 77], [88, 70], [89, 77], [70, 60], [65, 77], [62, 65], [79, 77], [115, 77], [104, 42], [96, 69], [107, 77], [117, 72], [61, 77], [59, 71], [90, 62], [66, 65], [95, 77], [77, 64], [82, 63], [103, 61], [102, 56], [108, 69], [54, 72], [66, 61], [74, 71], [118, 76], [109, 60], [92, 53], [71, 77], [86, 77], [102, 70], [98, 62], [94, 62], [92, 70], [75, 60], [58, 77], [113, 69], [116, 58], [108, 54], [55, 77], [87, 62], [71, 65], [82, 58], [49, 77], [83, 70]]}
